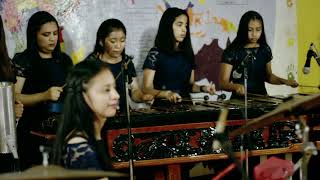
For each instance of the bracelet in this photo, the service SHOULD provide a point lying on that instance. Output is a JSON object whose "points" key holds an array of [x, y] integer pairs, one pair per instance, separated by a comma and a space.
{"points": [[201, 88]]}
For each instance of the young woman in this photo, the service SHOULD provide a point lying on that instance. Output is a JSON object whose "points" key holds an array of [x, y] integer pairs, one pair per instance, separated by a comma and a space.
{"points": [[169, 66], [90, 100], [41, 72], [110, 49], [250, 41], [7, 74]]}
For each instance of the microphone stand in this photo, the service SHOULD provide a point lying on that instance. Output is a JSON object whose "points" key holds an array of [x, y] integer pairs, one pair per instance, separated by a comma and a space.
{"points": [[312, 52], [308, 148], [248, 58], [222, 138], [125, 80], [244, 152]]}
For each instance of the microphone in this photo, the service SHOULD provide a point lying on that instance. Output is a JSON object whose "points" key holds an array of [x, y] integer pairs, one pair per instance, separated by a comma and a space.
{"points": [[310, 54], [237, 74]]}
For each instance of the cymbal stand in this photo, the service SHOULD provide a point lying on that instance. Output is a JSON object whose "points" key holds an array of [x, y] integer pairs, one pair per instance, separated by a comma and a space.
{"points": [[309, 149]]}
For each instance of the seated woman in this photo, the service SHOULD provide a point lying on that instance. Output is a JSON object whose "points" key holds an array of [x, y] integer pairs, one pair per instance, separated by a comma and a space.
{"points": [[91, 98], [41, 72], [251, 40], [110, 49], [169, 66]]}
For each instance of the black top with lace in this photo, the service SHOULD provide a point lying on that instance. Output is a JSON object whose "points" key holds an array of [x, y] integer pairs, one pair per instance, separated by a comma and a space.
{"points": [[40, 74], [172, 70], [256, 67], [86, 155]]}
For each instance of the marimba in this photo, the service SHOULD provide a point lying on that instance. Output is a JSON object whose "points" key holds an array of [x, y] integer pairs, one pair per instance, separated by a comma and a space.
{"points": [[178, 133]]}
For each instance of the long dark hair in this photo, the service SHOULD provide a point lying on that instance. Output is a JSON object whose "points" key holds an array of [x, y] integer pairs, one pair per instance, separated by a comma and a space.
{"points": [[107, 27], [77, 115], [34, 25], [242, 35], [6, 70], [165, 39]]}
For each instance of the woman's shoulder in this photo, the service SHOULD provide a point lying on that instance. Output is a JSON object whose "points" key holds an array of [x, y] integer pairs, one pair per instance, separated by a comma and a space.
{"points": [[155, 50], [22, 63], [266, 52], [65, 56], [92, 57], [155, 53], [231, 52], [76, 137], [20, 57], [265, 48]]}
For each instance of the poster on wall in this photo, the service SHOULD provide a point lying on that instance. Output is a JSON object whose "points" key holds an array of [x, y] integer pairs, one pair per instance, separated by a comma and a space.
{"points": [[213, 24]]}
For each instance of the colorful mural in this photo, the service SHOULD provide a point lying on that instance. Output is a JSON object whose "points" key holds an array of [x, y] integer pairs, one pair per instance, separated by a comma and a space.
{"points": [[212, 25]]}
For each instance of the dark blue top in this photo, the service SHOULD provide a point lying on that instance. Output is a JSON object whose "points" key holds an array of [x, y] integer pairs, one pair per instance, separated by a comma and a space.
{"points": [[256, 67], [88, 154], [119, 77], [173, 71], [40, 75], [81, 156]]}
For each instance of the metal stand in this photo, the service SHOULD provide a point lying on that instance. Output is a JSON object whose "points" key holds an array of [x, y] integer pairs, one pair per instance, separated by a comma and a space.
{"points": [[244, 152], [124, 71], [222, 141], [237, 74], [309, 149]]}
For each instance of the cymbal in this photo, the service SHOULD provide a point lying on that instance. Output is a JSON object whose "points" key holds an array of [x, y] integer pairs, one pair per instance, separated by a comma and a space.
{"points": [[57, 172], [295, 105]]}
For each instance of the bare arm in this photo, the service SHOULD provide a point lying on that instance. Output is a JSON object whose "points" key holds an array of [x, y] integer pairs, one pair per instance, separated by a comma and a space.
{"points": [[52, 93], [273, 79], [136, 94], [225, 84], [148, 76], [196, 88]]}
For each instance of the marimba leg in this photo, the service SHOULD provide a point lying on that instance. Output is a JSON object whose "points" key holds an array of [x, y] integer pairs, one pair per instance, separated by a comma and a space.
{"points": [[174, 172]]}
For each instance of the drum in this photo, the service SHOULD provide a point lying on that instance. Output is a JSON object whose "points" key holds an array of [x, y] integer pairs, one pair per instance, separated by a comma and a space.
{"points": [[7, 119]]}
